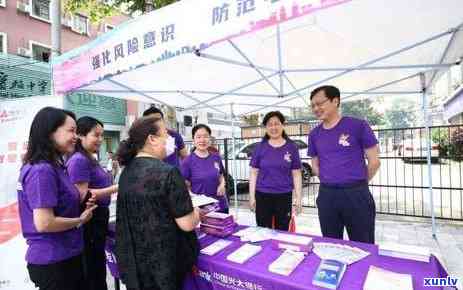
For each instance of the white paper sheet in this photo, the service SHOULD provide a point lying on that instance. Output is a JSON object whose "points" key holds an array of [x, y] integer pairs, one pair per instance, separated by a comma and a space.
{"points": [[286, 262], [381, 279], [215, 247], [244, 253], [200, 199]]}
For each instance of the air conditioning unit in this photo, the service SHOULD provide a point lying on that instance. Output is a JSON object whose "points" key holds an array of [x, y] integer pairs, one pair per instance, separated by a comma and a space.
{"points": [[23, 7], [78, 29], [22, 51], [66, 22]]}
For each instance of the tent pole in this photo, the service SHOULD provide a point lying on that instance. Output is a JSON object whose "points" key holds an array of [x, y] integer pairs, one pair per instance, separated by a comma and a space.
{"points": [[188, 93], [234, 62], [197, 100], [280, 72], [294, 88], [427, 120], [444, 55], [233, 163], [383, 67], [365, 64], [232, 91], [137, 92], [250, 62], [369, 91]]}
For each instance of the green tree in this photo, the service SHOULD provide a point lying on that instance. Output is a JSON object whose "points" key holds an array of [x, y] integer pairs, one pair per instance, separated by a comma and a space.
{"points": [[94, 9], [251, 120], [97, 10], [363, 109], [400, 115]]}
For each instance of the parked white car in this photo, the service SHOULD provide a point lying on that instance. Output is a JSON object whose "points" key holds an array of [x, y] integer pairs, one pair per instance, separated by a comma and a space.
{"points": [[415, 150], [243, 154]]}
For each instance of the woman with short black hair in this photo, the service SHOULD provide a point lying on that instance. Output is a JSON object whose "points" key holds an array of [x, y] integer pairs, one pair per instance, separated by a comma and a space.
{"points": [[276, 181]]}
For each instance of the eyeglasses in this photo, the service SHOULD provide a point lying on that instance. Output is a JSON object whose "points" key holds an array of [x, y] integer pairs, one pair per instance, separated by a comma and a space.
{"points": [[319, 104]]}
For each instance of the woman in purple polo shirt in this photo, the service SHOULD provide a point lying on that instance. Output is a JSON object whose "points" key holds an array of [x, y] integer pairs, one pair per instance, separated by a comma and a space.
{"points": [[203, 171], [88, 176], [49, 204], [275, 181]]}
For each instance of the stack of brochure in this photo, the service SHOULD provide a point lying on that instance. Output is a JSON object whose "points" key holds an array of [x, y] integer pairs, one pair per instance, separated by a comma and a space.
{"points": [[292, 242], [415, 253], [286, 262], [217, 224], [339, 252]]}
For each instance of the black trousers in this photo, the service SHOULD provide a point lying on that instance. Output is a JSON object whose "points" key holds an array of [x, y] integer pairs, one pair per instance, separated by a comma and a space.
{"points": [[269, 205], [94, 257], [352, 207], [63, 275]]}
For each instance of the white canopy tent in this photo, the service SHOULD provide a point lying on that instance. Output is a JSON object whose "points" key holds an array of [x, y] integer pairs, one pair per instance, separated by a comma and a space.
{"points": [[260, 55]]}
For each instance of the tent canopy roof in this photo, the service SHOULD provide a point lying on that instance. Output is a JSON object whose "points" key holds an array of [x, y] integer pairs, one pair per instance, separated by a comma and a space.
{"points": [[271, 55]]}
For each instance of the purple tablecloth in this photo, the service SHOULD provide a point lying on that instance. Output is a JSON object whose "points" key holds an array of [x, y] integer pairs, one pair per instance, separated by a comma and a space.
{"points": [[215, 272]]}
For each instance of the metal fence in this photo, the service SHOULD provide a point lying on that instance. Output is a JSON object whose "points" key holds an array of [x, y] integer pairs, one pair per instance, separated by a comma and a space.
{"points": [[401, 185]]}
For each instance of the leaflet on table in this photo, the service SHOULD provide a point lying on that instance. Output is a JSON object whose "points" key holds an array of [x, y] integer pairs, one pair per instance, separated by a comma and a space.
{"points": [[286, 262], [200, 199], [421, 254], [293, 239], [338, 252], [255, 234], [381, 279], [247, 231], [291, 246], [244, 253], [215, 247], [329, 274]]}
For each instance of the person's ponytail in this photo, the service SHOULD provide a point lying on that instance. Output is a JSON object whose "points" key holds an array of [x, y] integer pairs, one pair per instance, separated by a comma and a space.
{"points": [[126, 152]]}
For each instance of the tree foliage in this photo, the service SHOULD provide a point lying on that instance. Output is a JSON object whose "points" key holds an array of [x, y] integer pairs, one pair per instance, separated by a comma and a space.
{"points": [[97, 10]]}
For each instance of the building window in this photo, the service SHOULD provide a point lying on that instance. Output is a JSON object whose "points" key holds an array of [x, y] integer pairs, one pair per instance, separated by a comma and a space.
{"points": [[3, 43], [80, 24], [41, 9], [2, 3], [108, 27], [40, 52]]}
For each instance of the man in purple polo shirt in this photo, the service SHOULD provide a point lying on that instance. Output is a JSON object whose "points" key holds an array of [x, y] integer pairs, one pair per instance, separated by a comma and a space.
{"points": [[174, 144], [338, 147]]}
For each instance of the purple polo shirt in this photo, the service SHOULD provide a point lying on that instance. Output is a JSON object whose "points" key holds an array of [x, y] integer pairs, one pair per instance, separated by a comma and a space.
{"points": [[81, 169], [204, 175], [173, 159], [341, 150], [275, 166], [46, 186]]}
